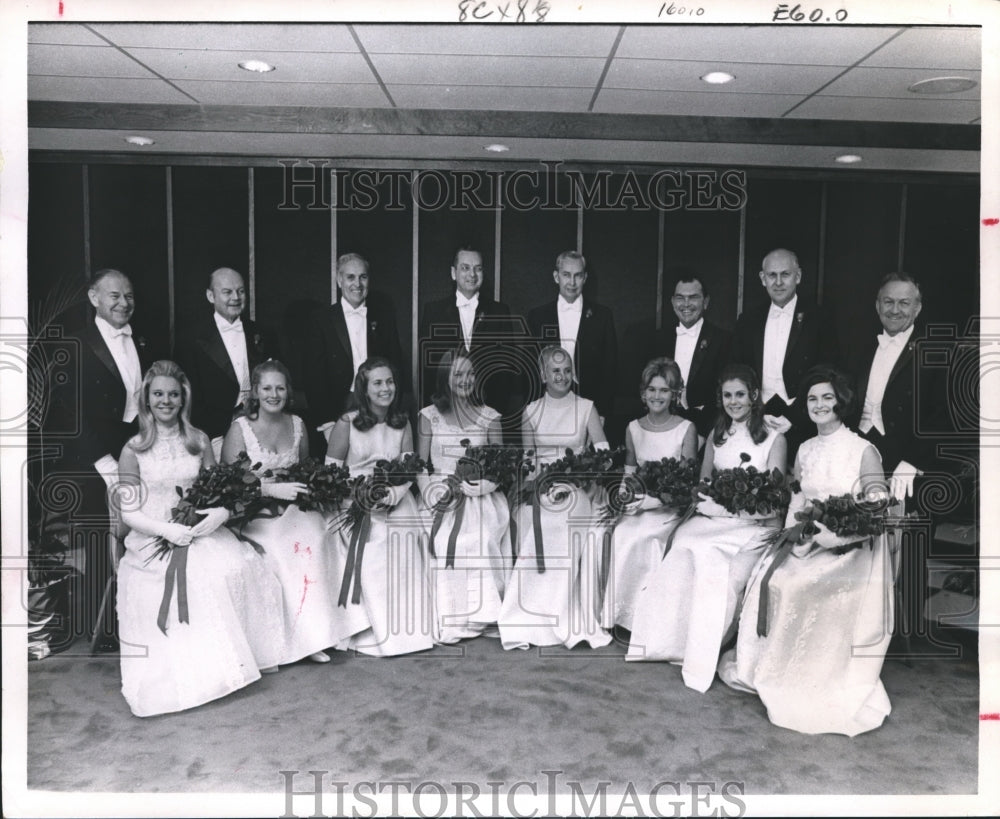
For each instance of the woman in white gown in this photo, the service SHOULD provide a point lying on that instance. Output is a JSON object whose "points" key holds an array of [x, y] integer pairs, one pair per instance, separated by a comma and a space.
{"points": [[231, 628], [552, 595], [392, 612], [685, 611], [293, 542], [829, 617], [641, 535], [465, 588]]}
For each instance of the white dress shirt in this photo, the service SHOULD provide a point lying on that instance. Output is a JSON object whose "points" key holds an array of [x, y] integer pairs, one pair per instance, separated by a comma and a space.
{"points": [[687, 340], [235, 342], [886, 356], [127, 360], [776, 332], [357, 331], [569, 314], [467, 314]]}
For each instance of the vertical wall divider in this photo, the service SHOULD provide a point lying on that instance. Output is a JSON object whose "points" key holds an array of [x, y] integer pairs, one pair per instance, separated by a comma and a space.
{"points": [[742, 264], [333, 236], [660, 231], [251, 246], [821, 262], [579, 222], [497, 237], [87, 271], [415, 298], [171, 306], [901, 250]]}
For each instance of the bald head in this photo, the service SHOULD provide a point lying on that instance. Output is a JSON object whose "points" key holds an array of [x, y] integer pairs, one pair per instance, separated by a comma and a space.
{"points": [[780, 274], [226, 293]]}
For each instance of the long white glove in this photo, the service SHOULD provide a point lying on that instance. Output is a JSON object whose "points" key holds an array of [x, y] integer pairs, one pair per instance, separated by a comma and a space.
{"points": [[476, 489], [335, 461], [176, 533], [796, 504], [707, 506], [778, 423], [282, 490], [901, 482], [214, 518], [394, 495]]}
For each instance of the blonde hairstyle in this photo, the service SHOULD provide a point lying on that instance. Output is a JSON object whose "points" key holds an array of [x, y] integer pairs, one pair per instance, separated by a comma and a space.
{"points": [[549, 353], [667, 369], [251, 404], [193, 438]]}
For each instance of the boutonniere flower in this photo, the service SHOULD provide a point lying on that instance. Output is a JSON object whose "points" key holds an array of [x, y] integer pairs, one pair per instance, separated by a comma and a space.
{"points": [[373, 326], [257, 340], [588, 313], [704, 344], [800, 317], [140, 342]]}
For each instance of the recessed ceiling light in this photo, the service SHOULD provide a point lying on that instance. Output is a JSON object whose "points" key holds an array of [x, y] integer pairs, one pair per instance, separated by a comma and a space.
{"points": [[717, 77], [258, 66], [942, 85], [497, 148], [847, 159], [139, 140]]}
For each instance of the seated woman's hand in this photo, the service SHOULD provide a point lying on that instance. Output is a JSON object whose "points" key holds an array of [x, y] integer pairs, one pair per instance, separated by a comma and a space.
{"points": [[476, 489], [642, 503], [707, 506], [558, 492], [825, 538], [282, 490], [176, 533], [393, 495], [213, 519]]}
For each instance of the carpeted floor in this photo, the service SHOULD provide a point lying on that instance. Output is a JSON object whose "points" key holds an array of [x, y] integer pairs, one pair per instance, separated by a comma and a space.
{"points": [[476, 713]]}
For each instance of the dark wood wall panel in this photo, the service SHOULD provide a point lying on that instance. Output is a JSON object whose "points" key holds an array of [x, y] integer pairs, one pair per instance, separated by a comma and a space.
{"points": [[128, 231], [211, 230], [781, 213], [862, 245], [56, 263], [384, 236]]}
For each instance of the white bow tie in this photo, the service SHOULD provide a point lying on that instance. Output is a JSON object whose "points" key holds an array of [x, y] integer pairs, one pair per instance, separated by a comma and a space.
{"points": [[356, 311], [461, 301], [779, 312], [885, 340], [234, 327], [124, 331], [686, 331], [571, 307]]}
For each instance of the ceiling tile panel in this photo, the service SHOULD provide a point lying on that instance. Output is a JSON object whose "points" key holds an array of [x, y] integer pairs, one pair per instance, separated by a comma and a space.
{"points": [[63, 34], [316, 94], [82, 61], [478, 40], [447, 70], [104, 90], [888, 110], [617, 101], [249, 36], [300, 66], [682, 75], [955, 48], [794, 45], [496, 98], [893, 82]]}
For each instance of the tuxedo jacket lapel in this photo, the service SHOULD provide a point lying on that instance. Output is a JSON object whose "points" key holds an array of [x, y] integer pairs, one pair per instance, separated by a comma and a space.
{"points": [[793, 335], [700, 349], [340, 328], [100, 348], [215, 349], [903, 362]]}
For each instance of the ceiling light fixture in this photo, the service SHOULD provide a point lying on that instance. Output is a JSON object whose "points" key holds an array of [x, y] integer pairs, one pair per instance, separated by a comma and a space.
{"points": [[717, 77], [943, 85], [139, 140], [497, 148], [257, 66], [847, 159]]}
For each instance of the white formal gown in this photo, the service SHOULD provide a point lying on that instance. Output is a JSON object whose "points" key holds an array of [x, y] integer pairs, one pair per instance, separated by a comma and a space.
{"points": [[829, 617], [685, 611], [466, 596], [296, 549], [558, 606], [639, 539], [394, 613], [234, 603]]}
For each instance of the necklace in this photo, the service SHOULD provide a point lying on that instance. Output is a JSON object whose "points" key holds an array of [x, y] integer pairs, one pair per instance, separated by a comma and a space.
{"points": [[664, 425]]}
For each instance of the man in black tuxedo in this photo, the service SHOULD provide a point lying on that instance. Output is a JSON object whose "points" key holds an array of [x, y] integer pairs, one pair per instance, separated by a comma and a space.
{"points": [[585, 329], [782, 340], [358, 326], [219, 354], [103, 410], [472, 319], [700, 349]]}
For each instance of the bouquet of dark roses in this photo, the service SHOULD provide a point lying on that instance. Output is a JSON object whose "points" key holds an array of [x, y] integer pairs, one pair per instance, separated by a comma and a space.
{"points": [[327, 485], [368, 494], [840, 523], [748, 491], [233, 486], [669, 480], [505, 466]]}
